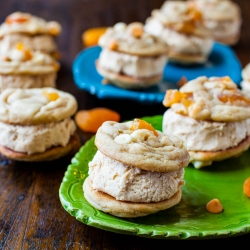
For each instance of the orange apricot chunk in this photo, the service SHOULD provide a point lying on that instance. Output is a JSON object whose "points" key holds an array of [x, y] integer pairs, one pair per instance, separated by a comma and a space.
{"points": [[214, 206], [51, 96], [91, 120], [16, 19], [91, 36], [246, 187], [141, 124]]}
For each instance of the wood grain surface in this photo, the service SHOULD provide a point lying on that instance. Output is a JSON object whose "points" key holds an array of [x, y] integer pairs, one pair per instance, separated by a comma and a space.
{"points": [[31, 215]]}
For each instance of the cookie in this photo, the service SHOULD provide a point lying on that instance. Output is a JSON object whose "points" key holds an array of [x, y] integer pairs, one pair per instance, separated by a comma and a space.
{"points": [[131, 58], [108, 204], [214, 98]]}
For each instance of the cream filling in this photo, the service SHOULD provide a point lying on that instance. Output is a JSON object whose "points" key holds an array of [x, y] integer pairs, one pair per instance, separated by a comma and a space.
{"points": [[205, 135], [128, 183], [178, 42], [222, 29], [132, 65], [36, 138]]}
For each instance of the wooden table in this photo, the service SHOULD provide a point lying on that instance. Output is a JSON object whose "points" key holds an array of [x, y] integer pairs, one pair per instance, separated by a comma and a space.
{"points": [[31, 215]]}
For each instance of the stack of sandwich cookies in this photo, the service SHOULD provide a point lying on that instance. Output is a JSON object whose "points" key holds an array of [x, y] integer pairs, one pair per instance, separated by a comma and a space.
{"points": [[34, 32], [130, 57], [36, 124], [212, 116], [222, 18], [136, 170], [23, 68], [180, 25]]}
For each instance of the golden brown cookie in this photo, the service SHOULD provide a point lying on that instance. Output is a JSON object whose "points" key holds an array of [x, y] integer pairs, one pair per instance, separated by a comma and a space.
{"points": [[109, 204]]}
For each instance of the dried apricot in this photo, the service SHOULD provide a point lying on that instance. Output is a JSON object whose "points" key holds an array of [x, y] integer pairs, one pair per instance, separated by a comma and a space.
{"points": [[141, 124], [246, 187], [91, 36], [91, 120], [214, 206]]}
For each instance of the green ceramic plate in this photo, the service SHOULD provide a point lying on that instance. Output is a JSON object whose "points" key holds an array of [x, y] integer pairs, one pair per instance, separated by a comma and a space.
{"points": [[186, 220]]}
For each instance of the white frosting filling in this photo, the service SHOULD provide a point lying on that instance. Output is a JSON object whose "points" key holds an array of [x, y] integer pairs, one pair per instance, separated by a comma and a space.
{"points": [[218, 9], [205, 135], [222, 29], [132, 65], [36, 138], [129, 183]]}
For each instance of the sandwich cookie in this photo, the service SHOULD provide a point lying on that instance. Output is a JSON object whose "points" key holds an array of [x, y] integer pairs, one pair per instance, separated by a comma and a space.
{"points": [[131, 58], [136, 170], [212, 116], [222, 18], [180, 26], [36, 124]]}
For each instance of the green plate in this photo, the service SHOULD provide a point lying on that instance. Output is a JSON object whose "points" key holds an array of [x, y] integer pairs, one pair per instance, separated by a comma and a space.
{"points": [[186, 220]]}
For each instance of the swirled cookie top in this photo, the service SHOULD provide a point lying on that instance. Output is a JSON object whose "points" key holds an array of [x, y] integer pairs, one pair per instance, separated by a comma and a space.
{"points": [[35, 105], [181, 17], [21, 60], [19, 22], [136, 143], [132, 39], [219, 10], [215, 99]]}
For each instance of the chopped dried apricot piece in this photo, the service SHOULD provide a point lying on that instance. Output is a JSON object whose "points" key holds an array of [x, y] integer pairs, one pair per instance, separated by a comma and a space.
{"points": [[91, 36], [141, 124], [91, 120], [233, 98], [214, 206], [174, 96], [51, 96], [246, 187], [20, 19]]}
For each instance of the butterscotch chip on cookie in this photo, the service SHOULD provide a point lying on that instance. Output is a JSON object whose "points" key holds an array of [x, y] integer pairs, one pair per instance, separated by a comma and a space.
{"points": [[136, 171], [212, 116], [34, 32], [130, 57], [36, 124]]}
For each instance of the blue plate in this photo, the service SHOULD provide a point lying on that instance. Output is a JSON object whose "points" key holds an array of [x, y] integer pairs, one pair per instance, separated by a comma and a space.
{"points": [[221, 62]]}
